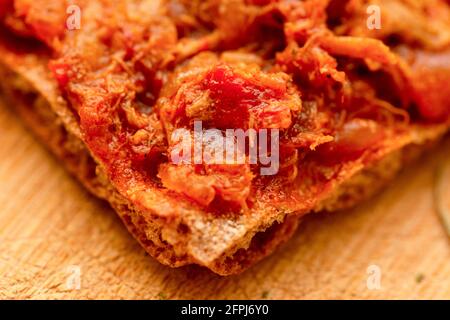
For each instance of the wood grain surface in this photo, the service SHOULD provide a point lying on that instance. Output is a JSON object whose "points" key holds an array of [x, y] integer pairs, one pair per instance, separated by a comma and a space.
{"points": [[58, 242]]}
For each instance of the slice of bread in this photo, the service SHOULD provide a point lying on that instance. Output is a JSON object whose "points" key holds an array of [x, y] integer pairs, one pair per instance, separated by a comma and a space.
{"points": [[176, 234]]}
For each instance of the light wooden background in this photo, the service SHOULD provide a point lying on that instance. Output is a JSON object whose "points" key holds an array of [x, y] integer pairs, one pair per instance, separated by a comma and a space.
{"points": [[50, 229]]}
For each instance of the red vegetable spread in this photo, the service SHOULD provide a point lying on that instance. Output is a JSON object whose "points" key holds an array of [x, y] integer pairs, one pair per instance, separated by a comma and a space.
{"points": [[138, 70]]}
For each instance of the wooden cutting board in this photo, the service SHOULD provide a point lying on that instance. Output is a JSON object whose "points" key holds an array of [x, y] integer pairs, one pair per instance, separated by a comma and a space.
{"points": [[57, 241]]}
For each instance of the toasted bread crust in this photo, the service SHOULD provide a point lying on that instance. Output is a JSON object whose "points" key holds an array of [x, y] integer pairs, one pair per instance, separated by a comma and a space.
{"points": [[151, 232], [76, 158]]}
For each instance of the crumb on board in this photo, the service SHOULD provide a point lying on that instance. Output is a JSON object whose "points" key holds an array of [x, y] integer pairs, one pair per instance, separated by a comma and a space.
{"points": [[420, 277], [162, 296]]}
